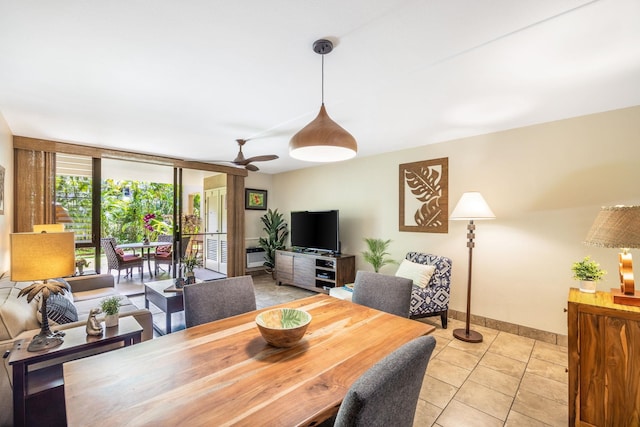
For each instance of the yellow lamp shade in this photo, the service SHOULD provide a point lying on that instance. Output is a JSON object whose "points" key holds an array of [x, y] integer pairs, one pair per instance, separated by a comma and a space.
{"points": [[42, 256]]}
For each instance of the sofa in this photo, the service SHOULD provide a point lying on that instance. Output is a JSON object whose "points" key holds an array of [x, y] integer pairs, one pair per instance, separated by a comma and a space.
{"points": [[19, 320]]}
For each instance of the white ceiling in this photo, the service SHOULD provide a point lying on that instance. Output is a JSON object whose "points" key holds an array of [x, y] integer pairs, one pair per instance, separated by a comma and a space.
{"points": [[187, 78]]}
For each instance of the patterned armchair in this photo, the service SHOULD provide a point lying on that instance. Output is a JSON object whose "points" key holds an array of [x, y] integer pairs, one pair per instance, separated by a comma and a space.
{"points": [[434, 299]]}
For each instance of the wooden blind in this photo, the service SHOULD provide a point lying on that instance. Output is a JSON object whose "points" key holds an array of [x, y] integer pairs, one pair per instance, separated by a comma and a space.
{"points": [[34, 189]]}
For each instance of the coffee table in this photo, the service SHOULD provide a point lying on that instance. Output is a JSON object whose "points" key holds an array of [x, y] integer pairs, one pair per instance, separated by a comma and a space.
{"points": [[169, 302]]}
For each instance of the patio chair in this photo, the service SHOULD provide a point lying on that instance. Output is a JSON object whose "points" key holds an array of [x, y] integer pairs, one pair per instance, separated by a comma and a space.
{"points": [[117, 259], [387, 393], [218, 299], [387, 293], [164, 254]]}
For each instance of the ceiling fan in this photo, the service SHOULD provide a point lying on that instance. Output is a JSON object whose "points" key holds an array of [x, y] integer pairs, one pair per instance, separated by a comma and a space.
{"points": [[240, 160]]}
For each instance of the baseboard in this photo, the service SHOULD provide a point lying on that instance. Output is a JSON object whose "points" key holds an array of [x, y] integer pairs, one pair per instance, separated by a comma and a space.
{"points": [[512, 328]]}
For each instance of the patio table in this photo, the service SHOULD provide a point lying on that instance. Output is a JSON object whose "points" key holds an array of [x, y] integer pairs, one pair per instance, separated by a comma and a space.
{"points": [[142, 246]]}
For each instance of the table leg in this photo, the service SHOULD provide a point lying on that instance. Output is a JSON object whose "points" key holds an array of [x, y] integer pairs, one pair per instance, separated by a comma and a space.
{"points": [[19, 394], [168, 322], [149, 262]]}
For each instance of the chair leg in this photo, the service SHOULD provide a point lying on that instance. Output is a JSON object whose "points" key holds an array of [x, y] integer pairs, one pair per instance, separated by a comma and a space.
{"points": [[443, 318], [118, 276]]}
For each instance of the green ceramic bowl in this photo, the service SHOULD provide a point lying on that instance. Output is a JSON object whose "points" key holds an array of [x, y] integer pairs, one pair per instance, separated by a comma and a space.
{"points": [[283, 327]]}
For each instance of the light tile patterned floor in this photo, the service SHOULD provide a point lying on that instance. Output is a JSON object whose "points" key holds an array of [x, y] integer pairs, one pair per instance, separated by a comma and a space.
{"points": [[507, 380]]}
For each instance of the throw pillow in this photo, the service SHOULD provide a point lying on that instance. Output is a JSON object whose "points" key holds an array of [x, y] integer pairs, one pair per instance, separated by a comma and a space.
{"points": [[166, 249], [120, 252], [419, 273], [59, 310]]}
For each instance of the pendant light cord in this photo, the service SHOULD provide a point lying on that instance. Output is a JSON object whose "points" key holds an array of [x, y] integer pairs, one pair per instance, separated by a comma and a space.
{"points": [[322, 85]]}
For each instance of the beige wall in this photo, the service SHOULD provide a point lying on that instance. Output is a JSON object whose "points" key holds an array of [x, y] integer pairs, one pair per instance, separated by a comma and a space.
{"points": [[6, 220], [545, 183], [253, 224]]}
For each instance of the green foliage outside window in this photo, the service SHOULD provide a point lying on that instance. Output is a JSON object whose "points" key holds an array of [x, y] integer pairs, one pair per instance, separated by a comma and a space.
{"points": [[124, 205]]}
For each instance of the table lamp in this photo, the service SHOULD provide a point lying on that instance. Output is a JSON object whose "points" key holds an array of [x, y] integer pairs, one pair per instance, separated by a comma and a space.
{"points": [[41, 257], [48, 228], [471, 206], [619, 227]]}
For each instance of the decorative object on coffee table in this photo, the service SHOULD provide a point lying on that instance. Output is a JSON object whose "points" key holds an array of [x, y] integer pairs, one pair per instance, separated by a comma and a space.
{"points": [[618, 227], [41, 257], [190, 262], [471, 206], [94, 327], [110, 307]]}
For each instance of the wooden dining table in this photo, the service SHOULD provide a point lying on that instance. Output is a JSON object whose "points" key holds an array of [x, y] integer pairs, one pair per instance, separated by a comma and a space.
{"points": [[223, 373]]}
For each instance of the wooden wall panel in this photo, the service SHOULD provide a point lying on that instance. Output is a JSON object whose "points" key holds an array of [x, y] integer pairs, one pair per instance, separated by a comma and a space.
{"points": [[236, 252], [34, 189]]}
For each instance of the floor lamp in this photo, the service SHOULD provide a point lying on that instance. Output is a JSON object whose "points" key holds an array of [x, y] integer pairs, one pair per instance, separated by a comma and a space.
{"points": [[471, 206]]}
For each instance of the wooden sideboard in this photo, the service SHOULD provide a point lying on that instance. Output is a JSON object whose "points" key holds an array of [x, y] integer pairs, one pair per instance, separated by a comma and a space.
{"points": [[313, 271], [604, 361]]}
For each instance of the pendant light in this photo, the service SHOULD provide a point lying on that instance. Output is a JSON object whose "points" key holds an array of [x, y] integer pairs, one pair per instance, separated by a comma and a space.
{"points": [[322, 140]]}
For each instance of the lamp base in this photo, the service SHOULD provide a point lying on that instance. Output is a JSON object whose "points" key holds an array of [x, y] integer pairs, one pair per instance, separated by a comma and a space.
{"points": [[45, 341], [620, 298], [472, 336]]}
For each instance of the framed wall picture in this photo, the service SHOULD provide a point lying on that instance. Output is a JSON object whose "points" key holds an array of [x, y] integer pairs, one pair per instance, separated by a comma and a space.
{"points": [[424, 196], [255, 199]]}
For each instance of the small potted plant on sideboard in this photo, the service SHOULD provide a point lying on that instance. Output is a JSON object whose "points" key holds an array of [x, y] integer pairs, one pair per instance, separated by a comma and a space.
{"points": [[588, 272]]}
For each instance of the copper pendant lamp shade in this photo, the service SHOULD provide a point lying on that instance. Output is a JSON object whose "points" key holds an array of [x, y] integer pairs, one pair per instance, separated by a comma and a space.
{"points": [[323, 140]]}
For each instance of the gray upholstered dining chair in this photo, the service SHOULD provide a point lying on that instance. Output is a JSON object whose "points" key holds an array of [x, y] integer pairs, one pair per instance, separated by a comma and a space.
{"points": [[387, 393], [387, 293], [217, 299]]}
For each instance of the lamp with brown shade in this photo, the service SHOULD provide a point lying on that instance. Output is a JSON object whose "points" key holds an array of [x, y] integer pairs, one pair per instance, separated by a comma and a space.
{"points": [[619, 227]]}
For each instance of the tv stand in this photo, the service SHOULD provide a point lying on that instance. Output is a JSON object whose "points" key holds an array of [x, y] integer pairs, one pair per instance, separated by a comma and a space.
{"points": [[314, 271]]}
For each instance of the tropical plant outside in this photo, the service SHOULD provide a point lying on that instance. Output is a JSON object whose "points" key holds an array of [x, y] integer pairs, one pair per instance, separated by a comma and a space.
{"points": [[125, 205], [277, 231], [377, 253]]}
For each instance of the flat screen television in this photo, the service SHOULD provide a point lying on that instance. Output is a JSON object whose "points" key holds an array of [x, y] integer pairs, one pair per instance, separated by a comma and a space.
{"points": [[315, 230]]}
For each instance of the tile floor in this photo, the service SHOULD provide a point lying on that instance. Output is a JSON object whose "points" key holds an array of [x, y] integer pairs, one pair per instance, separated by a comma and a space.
{"points": [[507, 380]]}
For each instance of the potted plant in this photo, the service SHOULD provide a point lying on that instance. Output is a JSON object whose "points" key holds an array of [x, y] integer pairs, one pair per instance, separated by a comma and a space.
{"points": [[110, 307], [588, 272], [377, 253], [277, 232], [81, 263], [190, 262]]}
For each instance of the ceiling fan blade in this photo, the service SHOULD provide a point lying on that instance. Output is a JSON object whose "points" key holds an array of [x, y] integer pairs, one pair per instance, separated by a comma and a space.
{"points": [[264, 158], [252, 168]]}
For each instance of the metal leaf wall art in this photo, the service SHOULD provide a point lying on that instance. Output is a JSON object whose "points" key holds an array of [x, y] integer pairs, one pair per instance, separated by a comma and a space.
{"points": [[424, 196]]}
